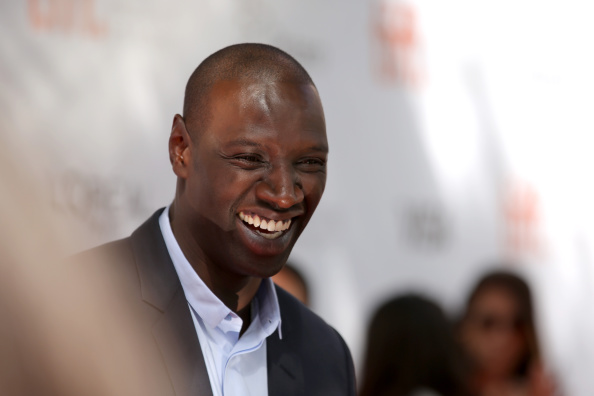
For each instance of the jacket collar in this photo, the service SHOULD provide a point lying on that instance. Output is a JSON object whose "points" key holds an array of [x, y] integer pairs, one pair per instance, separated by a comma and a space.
{"points": [[285, 370], [174, 331], [158, 279]]}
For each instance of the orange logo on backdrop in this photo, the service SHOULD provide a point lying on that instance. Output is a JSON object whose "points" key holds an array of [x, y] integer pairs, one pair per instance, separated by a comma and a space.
{"points": [[523, 220], [68, 16], [397, 57]]}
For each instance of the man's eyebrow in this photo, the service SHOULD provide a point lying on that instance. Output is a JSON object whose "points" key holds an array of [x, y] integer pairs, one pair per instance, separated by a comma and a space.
{"points": [[244, 142], [323, 148], [247, 142]]}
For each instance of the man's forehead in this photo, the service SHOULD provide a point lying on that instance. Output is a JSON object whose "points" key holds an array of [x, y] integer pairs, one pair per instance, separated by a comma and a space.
{"points": [[263, 99], [245, 88], [246, 107], [245, 113]]}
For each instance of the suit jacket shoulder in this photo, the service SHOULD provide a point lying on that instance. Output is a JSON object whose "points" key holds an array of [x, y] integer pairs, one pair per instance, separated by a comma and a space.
{"points": [[139, 305]]}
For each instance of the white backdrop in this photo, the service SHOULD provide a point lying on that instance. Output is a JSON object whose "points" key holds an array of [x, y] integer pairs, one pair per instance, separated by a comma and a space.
{"points": [[459, 138]]}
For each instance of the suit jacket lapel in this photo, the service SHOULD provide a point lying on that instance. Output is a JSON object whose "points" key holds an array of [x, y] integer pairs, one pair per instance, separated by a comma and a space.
{"points": [[176, 336], [285, 375], [174, 332]]}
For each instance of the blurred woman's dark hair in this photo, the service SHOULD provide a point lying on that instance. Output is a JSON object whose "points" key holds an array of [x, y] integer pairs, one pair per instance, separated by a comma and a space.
{"points": [[411, 346], [519, 291]]}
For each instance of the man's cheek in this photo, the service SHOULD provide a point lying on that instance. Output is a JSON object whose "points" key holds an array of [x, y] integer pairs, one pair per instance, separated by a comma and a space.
{"points": [[314, 191]]}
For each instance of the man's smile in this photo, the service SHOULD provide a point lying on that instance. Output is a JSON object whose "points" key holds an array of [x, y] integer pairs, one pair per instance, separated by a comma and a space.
{"points": [[268, 228]]}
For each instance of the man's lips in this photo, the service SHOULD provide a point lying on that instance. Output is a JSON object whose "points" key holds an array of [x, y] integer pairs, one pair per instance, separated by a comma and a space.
{"points": [[268, 228]]}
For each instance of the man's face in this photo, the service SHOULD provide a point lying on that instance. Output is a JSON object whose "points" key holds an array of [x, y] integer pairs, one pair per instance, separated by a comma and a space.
{"points": [[256, 174]]}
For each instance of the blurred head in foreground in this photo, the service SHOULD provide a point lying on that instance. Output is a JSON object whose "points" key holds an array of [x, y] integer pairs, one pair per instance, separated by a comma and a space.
{"points": [[48, 340], [411, 349]]}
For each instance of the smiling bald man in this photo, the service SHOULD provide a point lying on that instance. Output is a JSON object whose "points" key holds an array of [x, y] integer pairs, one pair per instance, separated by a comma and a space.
{"points": [[250, 155]]}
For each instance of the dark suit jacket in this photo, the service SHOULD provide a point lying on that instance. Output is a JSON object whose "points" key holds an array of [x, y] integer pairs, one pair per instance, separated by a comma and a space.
{"points": [[310, 359]]}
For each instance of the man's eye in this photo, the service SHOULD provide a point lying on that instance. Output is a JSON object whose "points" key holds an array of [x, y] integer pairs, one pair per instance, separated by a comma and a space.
{"points": [[312, 164], [313, 161], [247, 161], [249, 158]]}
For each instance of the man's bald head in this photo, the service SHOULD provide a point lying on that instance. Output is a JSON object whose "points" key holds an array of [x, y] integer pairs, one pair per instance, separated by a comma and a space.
{"points": [[243, 62]]}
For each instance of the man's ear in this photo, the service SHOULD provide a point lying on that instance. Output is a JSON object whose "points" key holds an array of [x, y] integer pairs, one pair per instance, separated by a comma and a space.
{"points": [[179, 147]]}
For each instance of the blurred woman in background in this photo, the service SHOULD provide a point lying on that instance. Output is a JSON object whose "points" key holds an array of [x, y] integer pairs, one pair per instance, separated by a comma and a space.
{"points": [[498, 335], [411, 351]]}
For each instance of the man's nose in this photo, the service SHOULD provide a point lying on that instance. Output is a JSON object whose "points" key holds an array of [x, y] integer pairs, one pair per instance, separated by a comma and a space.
{"points": [[281, 188]]}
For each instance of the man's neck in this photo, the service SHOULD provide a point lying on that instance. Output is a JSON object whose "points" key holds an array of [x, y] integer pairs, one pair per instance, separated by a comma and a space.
{"points": [[246, 316], [235, 291], [236, 294], [238, 298]]}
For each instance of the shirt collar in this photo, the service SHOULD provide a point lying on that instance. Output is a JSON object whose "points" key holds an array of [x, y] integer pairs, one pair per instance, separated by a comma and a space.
{"points": [[205, 303], [268, 308]]}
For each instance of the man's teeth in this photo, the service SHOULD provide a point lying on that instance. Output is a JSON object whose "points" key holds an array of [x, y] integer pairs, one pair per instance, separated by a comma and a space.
{"points": [[265, 224]]}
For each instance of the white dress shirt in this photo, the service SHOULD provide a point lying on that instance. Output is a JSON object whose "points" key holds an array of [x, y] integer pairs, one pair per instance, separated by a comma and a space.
{"points": [[236, 366]]}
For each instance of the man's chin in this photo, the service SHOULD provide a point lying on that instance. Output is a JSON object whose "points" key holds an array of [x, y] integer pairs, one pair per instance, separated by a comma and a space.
{"points": [[265, 267]]}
